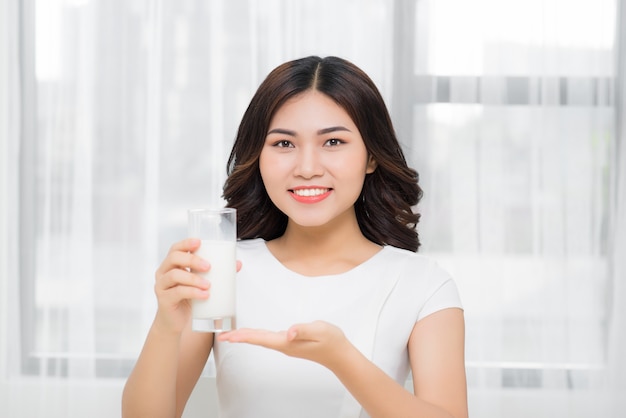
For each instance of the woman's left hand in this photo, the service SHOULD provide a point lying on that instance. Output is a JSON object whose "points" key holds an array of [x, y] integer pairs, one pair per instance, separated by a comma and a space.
{"points": [[317, 341]]}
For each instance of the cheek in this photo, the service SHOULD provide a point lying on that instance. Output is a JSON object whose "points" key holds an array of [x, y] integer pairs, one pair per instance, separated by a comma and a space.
{"points": [[272, 170], [265, 165], [348, 168]]}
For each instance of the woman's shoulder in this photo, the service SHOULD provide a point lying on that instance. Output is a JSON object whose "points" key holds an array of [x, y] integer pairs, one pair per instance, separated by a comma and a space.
{"points": [[417, 267], [411, 259], [423, 275], [254, 252]]}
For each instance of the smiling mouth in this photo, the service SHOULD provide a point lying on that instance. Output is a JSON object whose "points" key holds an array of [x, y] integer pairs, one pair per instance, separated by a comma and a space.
{"points": [[310, 192]]}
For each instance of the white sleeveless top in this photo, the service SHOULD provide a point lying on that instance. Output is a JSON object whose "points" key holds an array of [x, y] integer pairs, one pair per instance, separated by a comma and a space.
{"points": [[376, 304]]}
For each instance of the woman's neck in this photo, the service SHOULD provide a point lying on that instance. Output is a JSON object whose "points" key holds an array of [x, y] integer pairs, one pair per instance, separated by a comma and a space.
{"points": [[329, 249]]}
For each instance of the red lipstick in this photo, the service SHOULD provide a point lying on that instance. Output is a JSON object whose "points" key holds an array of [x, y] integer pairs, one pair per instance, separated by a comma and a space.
{"points": [[310, 194]]}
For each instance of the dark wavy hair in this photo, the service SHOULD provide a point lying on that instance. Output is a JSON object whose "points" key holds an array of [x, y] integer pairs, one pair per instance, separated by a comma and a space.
{"points": [[383, 209]]}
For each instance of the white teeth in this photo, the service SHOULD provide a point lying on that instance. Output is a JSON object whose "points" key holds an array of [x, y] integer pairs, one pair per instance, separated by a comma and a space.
{"points": [[310, 192]]}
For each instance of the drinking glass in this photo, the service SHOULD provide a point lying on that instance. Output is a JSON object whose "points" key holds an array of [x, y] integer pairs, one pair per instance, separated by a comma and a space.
{"points": [[217, 230]]}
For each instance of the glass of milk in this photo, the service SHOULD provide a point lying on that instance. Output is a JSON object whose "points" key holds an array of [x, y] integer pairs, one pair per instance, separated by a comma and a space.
{"points": [[217, 229]]}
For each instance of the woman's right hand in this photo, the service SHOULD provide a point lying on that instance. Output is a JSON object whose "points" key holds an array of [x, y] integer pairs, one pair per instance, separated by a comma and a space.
{"points": [[175, 285]]}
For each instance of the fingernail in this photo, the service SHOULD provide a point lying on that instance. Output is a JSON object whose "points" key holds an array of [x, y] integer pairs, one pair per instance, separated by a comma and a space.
{"points": [[204, 265]]}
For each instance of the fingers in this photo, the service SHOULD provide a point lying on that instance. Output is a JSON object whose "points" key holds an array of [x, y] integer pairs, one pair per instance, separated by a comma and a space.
{"points": [[174, 280], [181, 255], [186, 245], [179, 275], [318, 341], [254, 336], [298, 332], [171, 298]]}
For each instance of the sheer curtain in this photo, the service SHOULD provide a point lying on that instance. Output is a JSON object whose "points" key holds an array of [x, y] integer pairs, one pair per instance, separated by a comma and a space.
{"points": [[117, 116], [514, 134], [617, 322], [9, 130], [9, 133]]}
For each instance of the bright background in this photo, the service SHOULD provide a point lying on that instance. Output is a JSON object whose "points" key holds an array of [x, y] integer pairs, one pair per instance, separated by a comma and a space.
{"points": [[118, 115]]}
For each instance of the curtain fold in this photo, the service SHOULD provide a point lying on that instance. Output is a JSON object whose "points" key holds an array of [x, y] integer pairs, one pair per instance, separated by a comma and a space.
{"points": [[65, 138], [513, 119], [514, 138], [10, 130], [617, 330]]}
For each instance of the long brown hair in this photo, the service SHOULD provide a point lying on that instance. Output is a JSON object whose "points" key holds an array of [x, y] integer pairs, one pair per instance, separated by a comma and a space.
{"points": [[383, 209]]}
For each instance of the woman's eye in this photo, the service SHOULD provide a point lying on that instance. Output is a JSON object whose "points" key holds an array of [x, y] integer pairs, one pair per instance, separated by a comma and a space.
{"points": [[333, 142], [283, 144]]}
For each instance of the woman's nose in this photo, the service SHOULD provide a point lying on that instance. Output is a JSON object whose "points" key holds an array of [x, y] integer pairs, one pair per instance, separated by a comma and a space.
{"points": [[309, 163]]}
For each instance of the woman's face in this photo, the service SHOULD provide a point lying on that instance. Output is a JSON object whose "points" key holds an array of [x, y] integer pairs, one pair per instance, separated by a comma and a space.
{"points": [[314, 161]]}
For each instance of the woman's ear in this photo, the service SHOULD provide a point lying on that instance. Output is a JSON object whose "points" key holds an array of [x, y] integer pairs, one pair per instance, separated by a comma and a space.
{"points": [[371, 165]]}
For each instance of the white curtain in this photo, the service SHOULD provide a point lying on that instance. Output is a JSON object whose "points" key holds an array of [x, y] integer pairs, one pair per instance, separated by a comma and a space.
{"points": [[617, 318], [9, 131], [10, 109], [514, 135], [515, 138], [117, 116]]}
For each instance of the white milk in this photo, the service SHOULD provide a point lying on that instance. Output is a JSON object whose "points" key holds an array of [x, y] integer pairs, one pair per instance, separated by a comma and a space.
{"points": [[221, 302]]}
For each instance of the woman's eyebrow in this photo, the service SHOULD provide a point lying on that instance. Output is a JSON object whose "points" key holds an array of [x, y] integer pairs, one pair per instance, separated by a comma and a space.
{"points": [[332, 129], [319, 132], [282, 131]]}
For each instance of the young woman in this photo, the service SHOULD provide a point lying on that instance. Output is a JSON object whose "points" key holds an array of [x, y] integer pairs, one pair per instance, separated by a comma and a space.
{"points": [[334, 306]]}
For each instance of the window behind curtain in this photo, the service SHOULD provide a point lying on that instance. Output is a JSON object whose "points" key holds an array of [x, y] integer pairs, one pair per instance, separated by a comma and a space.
{"points": [[506, 110], [511, 123], [134, 107]]}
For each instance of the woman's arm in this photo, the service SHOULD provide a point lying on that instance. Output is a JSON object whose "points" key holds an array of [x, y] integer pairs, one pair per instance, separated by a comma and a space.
{"points": [[437, 356], [165, 373], [436, 353], [173, 356], [436, 350]]}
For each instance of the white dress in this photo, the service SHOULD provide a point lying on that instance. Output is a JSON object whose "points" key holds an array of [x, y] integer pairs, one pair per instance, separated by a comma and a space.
{"points": [[376, 304]]}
